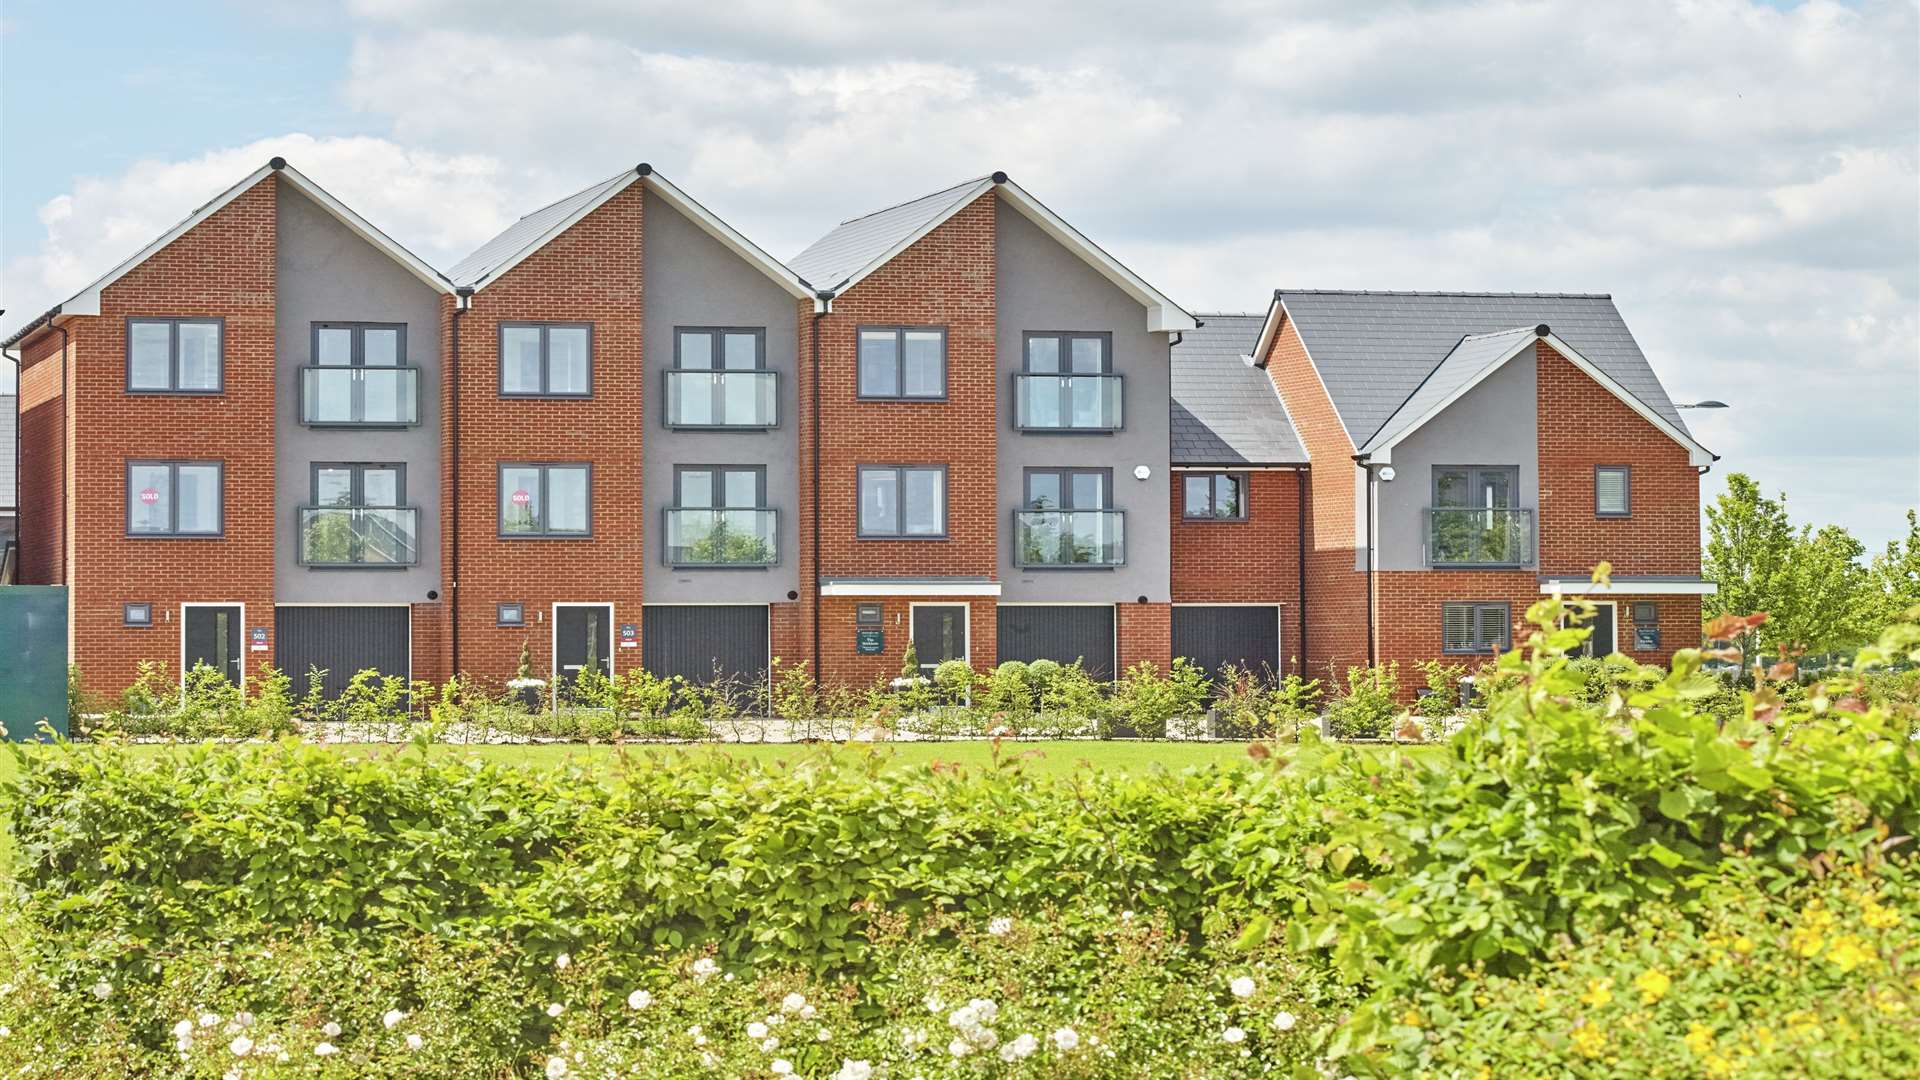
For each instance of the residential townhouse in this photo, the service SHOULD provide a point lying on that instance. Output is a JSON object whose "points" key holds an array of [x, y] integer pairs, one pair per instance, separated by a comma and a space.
{"points": [[620, 434]]}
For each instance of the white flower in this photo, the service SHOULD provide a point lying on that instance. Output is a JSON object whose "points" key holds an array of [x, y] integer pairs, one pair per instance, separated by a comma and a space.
{"points": [[325, 1049], [1242, 987], [964, 1017], [959, 1047], [853, 1070], [554, 1009], [392, 1017], [1126, 916], [934, 1005], [792, 1003], [694, 1030], [1233, 1035], [556, 1067], [242, 1019], [639, 999], [756, 1030], [775, 1019], [913, 1039], [183, 1030], [1024, 1046], [230, 1074], [1000, 926], [771, 1044], [806, 1012], [331, 1030], [781, 1067], [560, 962], [103, 989], [1065, 1039], [414, 1041], [824, 1035], [240, 1045], [704, 967], [1283, 1020], [987, 1009], [5, 1031], [209, 1019]]}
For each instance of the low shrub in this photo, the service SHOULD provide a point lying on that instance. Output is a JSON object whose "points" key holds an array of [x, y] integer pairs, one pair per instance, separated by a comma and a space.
{"points": [[1368, 707], [1145, 703], [1442, 696]]}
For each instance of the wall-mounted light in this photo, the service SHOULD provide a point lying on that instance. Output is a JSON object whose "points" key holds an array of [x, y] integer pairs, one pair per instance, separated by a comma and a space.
{"points": [[1141, 472], [1387, 473]]}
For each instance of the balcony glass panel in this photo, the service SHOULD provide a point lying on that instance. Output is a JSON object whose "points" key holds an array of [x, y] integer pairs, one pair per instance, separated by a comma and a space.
{"points": [[371, 396], [359, 535], [1067, 402], [1069, 537], [733, 399], [702, 537], [1461, 536]]}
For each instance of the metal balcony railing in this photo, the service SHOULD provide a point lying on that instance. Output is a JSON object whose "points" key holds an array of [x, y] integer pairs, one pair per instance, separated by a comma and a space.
{"points": [[723, 399], [1069, 538], [709, 537], [1066, 402], [359, 535], [359, 396], [1466, 537]]}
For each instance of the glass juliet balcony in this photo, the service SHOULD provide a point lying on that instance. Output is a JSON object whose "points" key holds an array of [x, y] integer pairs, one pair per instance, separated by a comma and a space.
{"points": [[1045, 538], [707, 537], [1463, 536], [360, 396], [722, 399], [1066, 402], [359, 535]]}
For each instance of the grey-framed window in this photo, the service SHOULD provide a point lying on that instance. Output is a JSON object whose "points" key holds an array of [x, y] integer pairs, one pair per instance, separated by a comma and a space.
{"points": [[720, 487], [176, 356], [510, 613], [545, 500], [1612, 491], [546, 359], [1069, 489], [902, 362], [1066, 383], [720, 379], [1475, 627], [1476, 487], [358, 483], [358, 344], [1213, 496], [137, 614], [1054, 352], [903, 502], [175, 498]]}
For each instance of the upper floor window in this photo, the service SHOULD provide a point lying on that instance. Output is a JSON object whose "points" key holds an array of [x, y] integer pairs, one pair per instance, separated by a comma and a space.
{"points": [[719, 379], [1213, 496], [174, 498], [1476, 519], [1068, 489], [903, 362], [1475, 628], [359, 377], [546, 359], [720, 517], [1069, 521], [359, 485], [357, 518], [174, 356], [1066, 384], [903, 501], [539, 499], [1612, 491]]}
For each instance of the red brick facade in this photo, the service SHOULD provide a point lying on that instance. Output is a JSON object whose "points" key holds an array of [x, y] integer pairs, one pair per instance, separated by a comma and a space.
{"points": [[1254, 561], [45, 370]]}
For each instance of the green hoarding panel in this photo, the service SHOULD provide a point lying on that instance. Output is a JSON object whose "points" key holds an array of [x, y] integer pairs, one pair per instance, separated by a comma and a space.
{"points": [[33, 660]]}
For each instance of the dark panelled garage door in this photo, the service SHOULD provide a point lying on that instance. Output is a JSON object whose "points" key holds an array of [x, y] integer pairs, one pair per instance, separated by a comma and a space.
{"points": [[695, 641], [1246, 637], [1063, 634], [342, 641]]}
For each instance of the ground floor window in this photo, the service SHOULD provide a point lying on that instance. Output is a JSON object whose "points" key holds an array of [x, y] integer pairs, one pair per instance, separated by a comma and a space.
{"points": [[1475, 627]]}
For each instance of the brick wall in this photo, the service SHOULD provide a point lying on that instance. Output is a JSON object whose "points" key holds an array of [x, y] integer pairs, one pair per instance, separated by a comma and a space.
{"points": [[43, 460], [222, 267], [1255, 561], [590, 273], [1336, 593], [1583, 425], [1144, 632]]}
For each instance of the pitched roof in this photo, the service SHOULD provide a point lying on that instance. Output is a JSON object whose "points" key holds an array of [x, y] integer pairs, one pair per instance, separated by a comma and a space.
{"points": [[534, 231], [858, 246], [1225, 411], [1467, 364], [1374, 349]]}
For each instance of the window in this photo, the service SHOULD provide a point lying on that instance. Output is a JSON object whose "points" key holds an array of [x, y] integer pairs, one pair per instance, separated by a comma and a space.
{"points": [[719, 517], [337, 344], [359, 377], [546, 360], [357, 517], [1068, 522], [1068, 489], [545, 500], [1612, 491], [359, 485], [174, 356], [136, 614], [730, 487], [719, 378], [1478, 488], [1475, 628], [1214, 496], [903, 362], [903, 501], [1475, 519], [510, 614], [173, 498], [1065, 384]]}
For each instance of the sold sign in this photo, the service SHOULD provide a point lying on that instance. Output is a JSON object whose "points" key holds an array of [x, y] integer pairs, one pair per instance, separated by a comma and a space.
{"points": [[521, 498], [150, 496]]}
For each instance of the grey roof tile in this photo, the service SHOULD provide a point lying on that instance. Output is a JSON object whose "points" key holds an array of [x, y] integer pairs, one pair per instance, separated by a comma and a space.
{"points": [[1373, 349], [853, 244], [1468, 361], [527, 231], [1225, 411]]}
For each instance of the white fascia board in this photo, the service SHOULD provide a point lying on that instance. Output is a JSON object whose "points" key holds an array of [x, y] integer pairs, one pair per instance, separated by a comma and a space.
{"points": [[365, 230], [1583, 587], [613, 188], [730, 238], [910, 588], [1163, 315], [1697, 455], [87, 300]]}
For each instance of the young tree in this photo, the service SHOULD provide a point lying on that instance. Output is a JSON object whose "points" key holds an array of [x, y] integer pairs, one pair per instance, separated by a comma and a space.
{"points": [[1749, 542], [1896, 574], [1826, 602]]}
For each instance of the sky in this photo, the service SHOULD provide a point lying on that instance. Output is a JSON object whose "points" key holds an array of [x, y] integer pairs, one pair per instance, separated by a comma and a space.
{"points": [[1743, 178]]}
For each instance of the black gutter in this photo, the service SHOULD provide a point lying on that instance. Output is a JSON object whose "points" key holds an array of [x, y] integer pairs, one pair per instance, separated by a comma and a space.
{"points": [[66, 466], [1361, 460], [1300, 563], [823, 300], [463, 296]]}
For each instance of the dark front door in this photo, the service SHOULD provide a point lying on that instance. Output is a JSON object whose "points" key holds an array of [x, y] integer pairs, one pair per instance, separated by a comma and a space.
{"points": [[583, 637], [1600, 642], [1213, 637], [213, 639], [939, 634]]}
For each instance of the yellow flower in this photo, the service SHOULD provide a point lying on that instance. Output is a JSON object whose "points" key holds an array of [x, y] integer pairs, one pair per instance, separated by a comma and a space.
{"points": [[1743, 945], [1699, 1039], [1807, 941], [1411, 1018], [1652, 984], [1599, 992], [1589, 1041], [1849, 952], [1878, 916], [1801, 1023], [1717, 1065], [1763, 1039]]}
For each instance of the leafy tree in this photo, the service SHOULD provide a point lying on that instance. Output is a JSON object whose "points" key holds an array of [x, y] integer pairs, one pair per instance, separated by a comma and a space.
{"points": [[1826, 603], [1896, 573], [1749, 543]]}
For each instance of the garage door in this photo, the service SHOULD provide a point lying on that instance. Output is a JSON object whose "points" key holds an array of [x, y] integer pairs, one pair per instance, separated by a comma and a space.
{"points": [[1212, 637], [342, 641], [1063, 634], [696, 641]]}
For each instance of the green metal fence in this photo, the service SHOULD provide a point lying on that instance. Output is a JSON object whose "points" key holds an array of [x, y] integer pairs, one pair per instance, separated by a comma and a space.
{"points": [[33, 660]]}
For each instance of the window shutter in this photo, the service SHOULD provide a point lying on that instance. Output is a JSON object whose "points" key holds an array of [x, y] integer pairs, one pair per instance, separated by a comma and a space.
{"points": [[1610, 491], [1491, 627], [1456, 627]]}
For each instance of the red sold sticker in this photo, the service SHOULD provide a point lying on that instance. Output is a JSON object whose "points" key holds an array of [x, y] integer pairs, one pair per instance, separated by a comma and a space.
{"points": [[150, 496], [521, 498]]}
